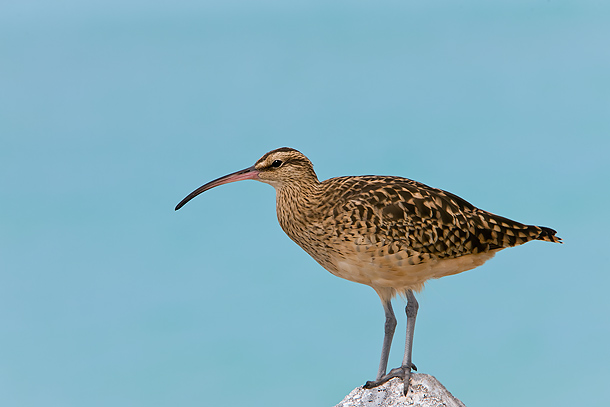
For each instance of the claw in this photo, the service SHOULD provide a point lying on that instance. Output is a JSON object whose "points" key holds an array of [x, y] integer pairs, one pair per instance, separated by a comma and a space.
{"points": [[406, 382], [403, 372]]}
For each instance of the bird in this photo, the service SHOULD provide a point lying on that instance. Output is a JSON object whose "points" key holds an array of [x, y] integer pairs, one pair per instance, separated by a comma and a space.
{"points": [[388, 232]]}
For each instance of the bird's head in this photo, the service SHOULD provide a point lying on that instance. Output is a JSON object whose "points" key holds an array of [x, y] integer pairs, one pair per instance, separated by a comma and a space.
{"points": [[283, 166], [278, 168]]}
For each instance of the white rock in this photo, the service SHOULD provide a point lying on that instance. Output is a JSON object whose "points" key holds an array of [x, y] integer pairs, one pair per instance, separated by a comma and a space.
{"points": [[425, 391]]}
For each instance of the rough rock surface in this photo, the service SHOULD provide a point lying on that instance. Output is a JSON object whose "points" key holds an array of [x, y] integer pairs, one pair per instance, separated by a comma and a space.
{"points": [[425, 391]]}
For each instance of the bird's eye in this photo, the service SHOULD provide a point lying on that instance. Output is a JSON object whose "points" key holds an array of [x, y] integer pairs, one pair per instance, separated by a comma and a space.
{"points": [[276, 163]]}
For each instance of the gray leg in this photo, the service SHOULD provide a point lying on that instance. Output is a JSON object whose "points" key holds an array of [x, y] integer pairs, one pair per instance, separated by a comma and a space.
{"points": [[390, 326], [403, 371], [411, 310]]}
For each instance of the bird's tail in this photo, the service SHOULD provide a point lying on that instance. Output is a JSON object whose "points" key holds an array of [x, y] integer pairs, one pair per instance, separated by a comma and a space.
{"points": [[501, 232], [547, 234]]}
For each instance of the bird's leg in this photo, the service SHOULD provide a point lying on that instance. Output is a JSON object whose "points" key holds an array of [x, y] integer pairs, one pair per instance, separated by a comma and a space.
{"points": [[411, 310], [404, 371], [390, 326]]}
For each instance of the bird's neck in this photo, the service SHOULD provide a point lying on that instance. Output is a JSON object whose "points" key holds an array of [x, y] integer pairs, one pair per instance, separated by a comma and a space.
{"points": [[295, 203]]}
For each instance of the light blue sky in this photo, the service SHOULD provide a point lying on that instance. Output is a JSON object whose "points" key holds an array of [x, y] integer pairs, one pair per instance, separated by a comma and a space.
{"points": [[112, 111]]}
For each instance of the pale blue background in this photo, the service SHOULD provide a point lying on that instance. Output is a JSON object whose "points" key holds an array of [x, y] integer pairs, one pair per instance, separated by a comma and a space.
{"points": [[112, 111]]}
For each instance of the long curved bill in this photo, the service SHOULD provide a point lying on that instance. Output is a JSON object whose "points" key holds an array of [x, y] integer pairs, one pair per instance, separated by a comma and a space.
{"points": [[248, 173]]}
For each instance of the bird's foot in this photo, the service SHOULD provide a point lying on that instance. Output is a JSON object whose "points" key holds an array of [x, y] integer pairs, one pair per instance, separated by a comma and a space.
{"points": [[403, 372]]}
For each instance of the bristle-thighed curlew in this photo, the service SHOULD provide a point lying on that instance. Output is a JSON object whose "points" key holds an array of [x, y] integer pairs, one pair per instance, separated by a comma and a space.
{"points": [[390, 233]]}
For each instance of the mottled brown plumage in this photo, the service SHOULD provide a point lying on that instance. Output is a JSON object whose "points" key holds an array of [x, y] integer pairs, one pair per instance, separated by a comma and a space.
{"points": [[390, 233]]}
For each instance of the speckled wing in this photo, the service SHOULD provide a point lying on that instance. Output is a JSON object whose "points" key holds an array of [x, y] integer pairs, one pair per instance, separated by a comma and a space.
{"points": [[396, 214]]}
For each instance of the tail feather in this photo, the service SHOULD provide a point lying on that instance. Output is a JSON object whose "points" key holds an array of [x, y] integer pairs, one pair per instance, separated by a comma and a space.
{"points": [[500, 232], [548, 235]]}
